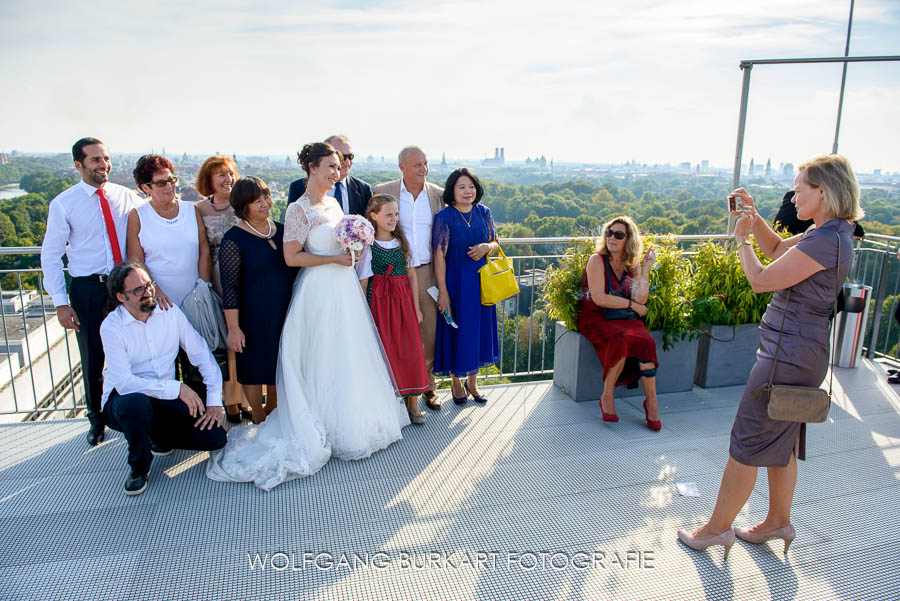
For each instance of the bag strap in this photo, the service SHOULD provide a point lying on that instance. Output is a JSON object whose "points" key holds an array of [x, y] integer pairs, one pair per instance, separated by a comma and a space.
{"points": [[833, 348]]}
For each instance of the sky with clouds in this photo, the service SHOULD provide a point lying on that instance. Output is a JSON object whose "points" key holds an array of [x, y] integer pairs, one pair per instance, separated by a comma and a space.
{"points": [[580, 81]]}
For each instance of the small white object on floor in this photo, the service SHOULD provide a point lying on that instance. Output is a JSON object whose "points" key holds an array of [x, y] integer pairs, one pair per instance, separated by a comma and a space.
{"points": [[687, 489]]}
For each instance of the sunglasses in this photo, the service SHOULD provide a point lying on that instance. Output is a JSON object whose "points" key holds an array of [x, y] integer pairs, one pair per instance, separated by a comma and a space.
{"points": [[615, 234], [161, 183], [140, 290], [349, 156]]}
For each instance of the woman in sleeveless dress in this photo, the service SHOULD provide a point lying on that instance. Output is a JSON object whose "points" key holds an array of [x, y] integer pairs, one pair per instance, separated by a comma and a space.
{"points": [[336, 397], [166, 234], [615, 283], [805, 275], [215, 179]]}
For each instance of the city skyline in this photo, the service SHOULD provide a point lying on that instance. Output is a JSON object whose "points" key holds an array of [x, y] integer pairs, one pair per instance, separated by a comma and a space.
{"points": [[587, 82]]}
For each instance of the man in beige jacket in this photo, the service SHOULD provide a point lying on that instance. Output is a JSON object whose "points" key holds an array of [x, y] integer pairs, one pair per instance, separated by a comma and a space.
{"points": [[419, 202]]}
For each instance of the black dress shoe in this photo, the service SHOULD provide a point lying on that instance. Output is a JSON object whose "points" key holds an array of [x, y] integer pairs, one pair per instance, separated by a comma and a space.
{"points": [[431, 400], [135, 484], [234, 418], [96, 435], [159, 450], [475, 397], [894, 380], [459, 400]]}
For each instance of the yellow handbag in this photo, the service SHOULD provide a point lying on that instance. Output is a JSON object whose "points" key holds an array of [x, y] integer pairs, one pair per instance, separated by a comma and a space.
{"points": [[498, 280]]}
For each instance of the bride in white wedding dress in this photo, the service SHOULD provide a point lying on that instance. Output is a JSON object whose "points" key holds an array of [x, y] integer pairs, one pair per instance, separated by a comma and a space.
{"points": [[335, 394]]}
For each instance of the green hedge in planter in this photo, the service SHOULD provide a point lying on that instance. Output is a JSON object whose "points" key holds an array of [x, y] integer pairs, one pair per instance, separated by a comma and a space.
{"points": [[562, 284], [668, 307], [720, 292]]}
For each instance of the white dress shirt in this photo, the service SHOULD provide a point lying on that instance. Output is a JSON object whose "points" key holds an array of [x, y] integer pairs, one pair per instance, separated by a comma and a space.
{"points": [[140, 356], [416, 220], [75, 226]]}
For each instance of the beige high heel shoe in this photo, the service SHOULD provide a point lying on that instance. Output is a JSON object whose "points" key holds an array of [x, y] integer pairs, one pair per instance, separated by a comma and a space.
{"points": [[725, 539], [785, 533]]}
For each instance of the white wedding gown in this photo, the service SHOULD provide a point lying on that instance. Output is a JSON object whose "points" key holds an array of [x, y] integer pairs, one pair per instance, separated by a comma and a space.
{"points": [[335, 394]]}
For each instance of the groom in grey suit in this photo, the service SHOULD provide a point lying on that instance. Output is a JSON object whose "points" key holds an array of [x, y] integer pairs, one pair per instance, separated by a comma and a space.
{"points": [[419, 202]]}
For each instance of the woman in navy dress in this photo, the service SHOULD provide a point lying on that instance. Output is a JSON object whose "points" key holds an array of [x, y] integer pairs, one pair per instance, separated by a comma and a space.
{"points": [[462, 235], [256, 291]]}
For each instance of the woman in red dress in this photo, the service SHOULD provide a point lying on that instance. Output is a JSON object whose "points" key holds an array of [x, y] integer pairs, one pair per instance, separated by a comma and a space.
{"points": [[614, 291]]}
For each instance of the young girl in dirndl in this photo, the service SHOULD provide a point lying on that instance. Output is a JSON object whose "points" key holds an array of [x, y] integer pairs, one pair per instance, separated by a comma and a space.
{"points": [[388, 279]]}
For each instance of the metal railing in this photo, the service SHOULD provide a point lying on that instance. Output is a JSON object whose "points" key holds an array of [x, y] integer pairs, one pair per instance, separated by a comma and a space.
{"points": [[42, 377]]}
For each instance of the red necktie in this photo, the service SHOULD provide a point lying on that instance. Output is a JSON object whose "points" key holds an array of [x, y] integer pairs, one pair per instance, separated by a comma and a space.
{"points": [[110, 227]]}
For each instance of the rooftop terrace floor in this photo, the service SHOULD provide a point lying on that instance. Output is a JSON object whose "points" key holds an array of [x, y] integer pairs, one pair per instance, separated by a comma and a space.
{"points": [[463, 508]]}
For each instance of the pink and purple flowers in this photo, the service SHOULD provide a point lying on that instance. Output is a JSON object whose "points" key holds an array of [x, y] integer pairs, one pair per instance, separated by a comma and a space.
{"points": [[354, 233]]}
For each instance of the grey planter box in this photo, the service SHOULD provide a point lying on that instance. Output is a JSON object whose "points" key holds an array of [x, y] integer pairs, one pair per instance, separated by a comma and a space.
{"points": [[577, 370], [726, 363]]}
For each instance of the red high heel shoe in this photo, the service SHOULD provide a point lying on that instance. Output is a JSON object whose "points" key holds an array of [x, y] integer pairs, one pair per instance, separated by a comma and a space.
{"points": [[607, 417], [652, 424]]}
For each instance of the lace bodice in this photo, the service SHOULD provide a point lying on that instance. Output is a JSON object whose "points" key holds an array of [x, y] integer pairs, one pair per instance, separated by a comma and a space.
{"points": [[313, 226], [216, 226]]}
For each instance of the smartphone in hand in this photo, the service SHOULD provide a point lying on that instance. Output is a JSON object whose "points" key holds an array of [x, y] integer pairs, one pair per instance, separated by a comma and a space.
{"points": [[448, 316]]}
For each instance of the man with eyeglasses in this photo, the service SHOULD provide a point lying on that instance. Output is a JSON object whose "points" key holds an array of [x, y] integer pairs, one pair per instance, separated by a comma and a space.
{"points": [[87, 223], [351, 193], [141, 397]]}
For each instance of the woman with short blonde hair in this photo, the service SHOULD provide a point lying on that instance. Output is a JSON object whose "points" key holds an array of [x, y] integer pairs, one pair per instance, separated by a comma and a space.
{"points": [[805, 275]]}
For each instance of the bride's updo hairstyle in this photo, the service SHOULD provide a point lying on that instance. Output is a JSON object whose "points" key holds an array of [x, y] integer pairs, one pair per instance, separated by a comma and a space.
{"points": [[311, 154]]}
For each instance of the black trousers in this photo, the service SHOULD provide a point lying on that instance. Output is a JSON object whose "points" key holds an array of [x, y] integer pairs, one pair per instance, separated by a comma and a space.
{"points": [[87, 297], [166, 422]]}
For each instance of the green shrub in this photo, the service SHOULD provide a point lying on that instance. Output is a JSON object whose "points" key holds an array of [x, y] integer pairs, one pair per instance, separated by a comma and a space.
{"points": [[669, 306], [720, 292], [562, 284]]}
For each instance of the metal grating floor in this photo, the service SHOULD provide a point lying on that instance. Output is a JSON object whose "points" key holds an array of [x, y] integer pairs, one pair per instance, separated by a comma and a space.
{"points": [[531, 497]]}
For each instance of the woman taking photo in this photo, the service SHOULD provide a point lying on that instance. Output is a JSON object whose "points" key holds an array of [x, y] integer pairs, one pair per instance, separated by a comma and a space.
{"points": [[614, 291], [214, 181], [805, 275], [257, 291], [166, 234], [462, 235]]}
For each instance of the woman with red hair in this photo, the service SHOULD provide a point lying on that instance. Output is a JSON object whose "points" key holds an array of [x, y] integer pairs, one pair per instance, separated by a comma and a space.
{"points": [[214, 181]]}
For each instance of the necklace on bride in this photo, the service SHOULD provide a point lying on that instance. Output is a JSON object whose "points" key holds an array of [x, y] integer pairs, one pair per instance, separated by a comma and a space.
{"points": [[267, 235]]}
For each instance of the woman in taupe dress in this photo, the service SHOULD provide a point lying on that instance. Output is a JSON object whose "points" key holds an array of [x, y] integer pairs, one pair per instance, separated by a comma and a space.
{"points": [[214, 181], [811, 266]]}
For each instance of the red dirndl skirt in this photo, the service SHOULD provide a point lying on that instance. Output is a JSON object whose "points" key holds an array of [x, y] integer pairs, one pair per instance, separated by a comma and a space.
{"points": [[394, 312]]}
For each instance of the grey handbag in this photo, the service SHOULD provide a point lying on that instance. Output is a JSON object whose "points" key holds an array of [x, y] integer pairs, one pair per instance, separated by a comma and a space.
{"points": [[799, 403]]}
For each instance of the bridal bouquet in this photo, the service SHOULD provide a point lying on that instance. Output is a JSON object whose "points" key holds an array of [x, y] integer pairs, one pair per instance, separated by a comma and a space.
{"points": [[354, 233]]}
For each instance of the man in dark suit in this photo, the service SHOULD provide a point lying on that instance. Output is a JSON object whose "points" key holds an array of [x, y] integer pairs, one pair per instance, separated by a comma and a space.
{"points": [[351, 193]]}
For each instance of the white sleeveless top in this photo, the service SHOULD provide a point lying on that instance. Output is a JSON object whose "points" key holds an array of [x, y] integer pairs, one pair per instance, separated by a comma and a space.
{"points": [[171, 249]]}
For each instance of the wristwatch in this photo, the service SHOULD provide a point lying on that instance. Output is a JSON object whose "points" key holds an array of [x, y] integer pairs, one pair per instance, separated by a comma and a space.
{"points": [[745, 242]]}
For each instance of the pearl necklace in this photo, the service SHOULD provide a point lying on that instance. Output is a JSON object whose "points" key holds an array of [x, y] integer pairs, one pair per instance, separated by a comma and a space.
{"points": [[268, 233]]}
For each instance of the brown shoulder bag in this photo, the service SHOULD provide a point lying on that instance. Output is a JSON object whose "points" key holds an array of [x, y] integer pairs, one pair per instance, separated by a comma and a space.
{"points": [[800, 403]]}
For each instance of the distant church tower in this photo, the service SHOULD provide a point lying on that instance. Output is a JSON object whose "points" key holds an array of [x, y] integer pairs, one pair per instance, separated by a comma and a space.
{"points": [[444, 159]]}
